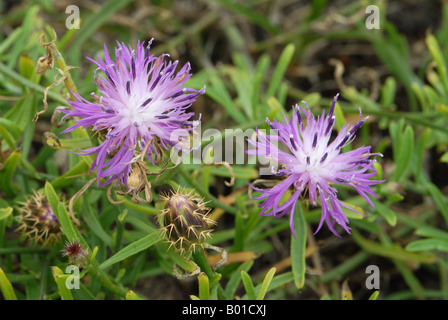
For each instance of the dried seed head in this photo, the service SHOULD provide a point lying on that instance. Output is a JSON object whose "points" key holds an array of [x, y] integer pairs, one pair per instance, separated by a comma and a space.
{"points": [[44, 63], [76, 253], [185, 222], [136, 179], [38, 222]]}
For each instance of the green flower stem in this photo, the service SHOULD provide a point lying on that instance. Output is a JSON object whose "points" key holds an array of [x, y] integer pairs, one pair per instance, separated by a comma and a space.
{"points": [[104, 280], [199, 258], [209, 197], [69, 84]]}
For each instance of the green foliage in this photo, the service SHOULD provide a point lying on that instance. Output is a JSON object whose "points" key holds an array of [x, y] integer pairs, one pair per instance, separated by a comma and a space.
{"points": [[253, 67]]}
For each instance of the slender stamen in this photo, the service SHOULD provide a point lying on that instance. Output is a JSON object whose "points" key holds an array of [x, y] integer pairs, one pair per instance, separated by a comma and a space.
{"points": [[357, 126], [324, 157], [291, 139], [314, 141], [128, 87], [330, 125], [109, 77], [156, 81], [343, 141], [330, 114], [133, 68], [146, 102]]}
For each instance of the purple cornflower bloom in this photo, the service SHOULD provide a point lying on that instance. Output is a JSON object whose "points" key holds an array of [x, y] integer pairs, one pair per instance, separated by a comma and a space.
{"points": [[313, 165], [141, 107]]}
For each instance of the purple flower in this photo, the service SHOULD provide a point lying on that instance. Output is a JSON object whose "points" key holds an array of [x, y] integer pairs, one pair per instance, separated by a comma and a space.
{"points": [[140, 110], [314, 165]]}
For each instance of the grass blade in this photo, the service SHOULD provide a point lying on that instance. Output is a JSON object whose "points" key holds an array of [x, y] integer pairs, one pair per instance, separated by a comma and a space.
{"points": [[248, 285], [6, 287], [132, 249], [265, 285]]}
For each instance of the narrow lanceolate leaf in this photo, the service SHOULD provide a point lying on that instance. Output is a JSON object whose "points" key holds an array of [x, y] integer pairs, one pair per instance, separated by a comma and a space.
{"points": [[248, 285], [131, 295], [61, 213], [374, 295], [265, 285], [425, 245], [61, 278], [280, 69], [403, 159], [439, 198], [298, 246], [5, 212], [132, 249], [387, 213], [437, 55], [7, 172], [204, 287], [6, 287]]}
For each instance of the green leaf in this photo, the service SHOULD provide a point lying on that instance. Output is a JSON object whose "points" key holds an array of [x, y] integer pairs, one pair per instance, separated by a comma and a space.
{"points": [[5, 212], [437, 55], [6, 287], [250, 14], [218, 92], [94, 224], [235, 278], [280, 69], [131, 295], [61, 279], [427, 231], [23, 111], [439, 199], [422, 146], [298, 246], [69, 177], [404, 156], [248, 285], [265, 285], [63, 217], [388, 91], [204, 287], [385, 212], [27, 68], [428, 245], [133, 248], [374, 295], [7, 173], [12, 132]]}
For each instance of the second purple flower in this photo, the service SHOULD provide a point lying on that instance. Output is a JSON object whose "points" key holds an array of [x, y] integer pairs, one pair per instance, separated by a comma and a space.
{"points": [[312, 165]]}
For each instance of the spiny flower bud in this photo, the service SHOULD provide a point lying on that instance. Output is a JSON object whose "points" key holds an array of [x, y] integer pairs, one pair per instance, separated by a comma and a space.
{"points": [[185, 222], [38, 222], [76, 253]]}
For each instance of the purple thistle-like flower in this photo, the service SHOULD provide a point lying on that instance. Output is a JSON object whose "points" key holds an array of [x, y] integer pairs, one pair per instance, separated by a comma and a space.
{"points": [[141, 107], [313, 165]]}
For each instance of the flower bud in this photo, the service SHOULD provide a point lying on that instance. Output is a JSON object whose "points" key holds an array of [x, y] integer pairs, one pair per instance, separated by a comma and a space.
{"points": [[38, 222], [185, 221], [76, 253]]}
